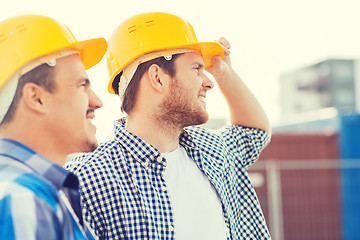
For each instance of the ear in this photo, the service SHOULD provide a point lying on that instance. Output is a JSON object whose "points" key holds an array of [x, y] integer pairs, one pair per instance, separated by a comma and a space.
{"points": [[34, 97], [157, 78]]}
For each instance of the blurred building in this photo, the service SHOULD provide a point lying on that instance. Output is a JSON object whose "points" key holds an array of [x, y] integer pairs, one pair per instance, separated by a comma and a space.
{"points": [[310, 171], [330, 83]]}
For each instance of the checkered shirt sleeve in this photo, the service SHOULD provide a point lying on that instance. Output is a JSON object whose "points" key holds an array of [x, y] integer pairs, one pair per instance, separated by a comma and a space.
{"points": [[224, 157]]}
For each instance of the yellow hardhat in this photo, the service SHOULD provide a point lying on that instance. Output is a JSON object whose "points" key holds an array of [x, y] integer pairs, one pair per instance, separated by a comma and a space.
{"points": [[27, 37], [150, 32]]}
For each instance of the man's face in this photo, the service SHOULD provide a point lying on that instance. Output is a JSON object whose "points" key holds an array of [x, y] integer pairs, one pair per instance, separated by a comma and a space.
{"points": [[71, 107], [185, 104]]}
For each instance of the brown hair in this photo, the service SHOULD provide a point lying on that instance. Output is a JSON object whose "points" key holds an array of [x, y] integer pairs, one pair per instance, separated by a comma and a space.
{"points": [[129, 98], [42, 76]]}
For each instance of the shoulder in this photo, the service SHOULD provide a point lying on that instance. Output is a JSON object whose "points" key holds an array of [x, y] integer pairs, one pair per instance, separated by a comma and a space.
{"points": [[199, 133], [226, 132], [30, 210], [205, 139], [93, 167], [23, 186], [229, 136], [104, 153], [207, 136]]}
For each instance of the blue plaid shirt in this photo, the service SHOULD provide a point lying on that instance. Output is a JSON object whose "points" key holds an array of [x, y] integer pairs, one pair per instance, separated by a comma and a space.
{"points": [[35, 197], [125, 195]]}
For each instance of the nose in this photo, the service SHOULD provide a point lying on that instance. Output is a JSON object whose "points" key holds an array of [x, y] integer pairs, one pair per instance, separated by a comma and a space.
{"points": [[94, 100], [207, 83]]}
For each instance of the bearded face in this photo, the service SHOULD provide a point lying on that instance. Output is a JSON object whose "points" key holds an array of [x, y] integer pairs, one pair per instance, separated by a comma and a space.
{"points": [[184, 103], [182, 106]]}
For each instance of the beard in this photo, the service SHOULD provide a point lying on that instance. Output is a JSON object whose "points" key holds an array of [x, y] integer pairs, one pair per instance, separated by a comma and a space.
{"points": [[179, 110]]}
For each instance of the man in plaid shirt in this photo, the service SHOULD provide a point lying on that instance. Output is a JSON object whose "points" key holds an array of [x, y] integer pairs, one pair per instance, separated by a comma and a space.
{"points": [[46, 107], [164, 177]]}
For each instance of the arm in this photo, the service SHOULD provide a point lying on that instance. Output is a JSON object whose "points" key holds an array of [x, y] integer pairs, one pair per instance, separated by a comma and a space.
{"points": [[245, 110]]}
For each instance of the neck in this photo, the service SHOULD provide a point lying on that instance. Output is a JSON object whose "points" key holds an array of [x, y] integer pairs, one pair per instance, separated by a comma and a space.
{"points": [[34, 139], [164, 137]]}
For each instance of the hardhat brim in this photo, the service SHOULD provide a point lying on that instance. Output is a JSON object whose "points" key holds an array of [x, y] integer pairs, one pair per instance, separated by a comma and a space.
{"points": [[91, 51], [208, 50]]}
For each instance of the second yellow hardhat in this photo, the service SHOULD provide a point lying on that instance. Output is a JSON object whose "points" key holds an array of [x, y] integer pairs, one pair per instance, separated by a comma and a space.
{"points": [[151, 32]]}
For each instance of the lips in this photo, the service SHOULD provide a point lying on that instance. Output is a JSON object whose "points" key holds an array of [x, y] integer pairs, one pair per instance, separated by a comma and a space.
{"points": [[90, 114], [202, 96]]}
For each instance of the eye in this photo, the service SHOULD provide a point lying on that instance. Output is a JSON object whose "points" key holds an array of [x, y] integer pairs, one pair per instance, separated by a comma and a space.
{"points": [[85, 83], [198, 67]]}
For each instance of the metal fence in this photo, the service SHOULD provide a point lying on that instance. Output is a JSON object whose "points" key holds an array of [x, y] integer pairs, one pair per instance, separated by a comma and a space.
{"points": [[309, 199]]}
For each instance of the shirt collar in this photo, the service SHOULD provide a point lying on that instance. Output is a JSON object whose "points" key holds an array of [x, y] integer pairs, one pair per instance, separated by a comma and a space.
{"points": [[54, 173], [140, 149], [186, 140]]}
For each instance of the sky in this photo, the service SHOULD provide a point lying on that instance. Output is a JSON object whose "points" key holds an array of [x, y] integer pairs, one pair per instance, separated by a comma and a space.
{"points": [[268, 38]]}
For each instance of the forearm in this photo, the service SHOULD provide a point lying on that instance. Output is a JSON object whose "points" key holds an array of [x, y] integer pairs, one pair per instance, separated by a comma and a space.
{"points": [[245, 110]]}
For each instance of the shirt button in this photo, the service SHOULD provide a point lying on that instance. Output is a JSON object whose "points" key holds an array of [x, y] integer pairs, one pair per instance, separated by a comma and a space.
{"points": [[171, 228], [163, 188], [159, 159]]}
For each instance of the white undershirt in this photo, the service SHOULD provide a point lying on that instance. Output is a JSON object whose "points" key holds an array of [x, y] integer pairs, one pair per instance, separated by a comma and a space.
{"points": [[197, 207]]}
